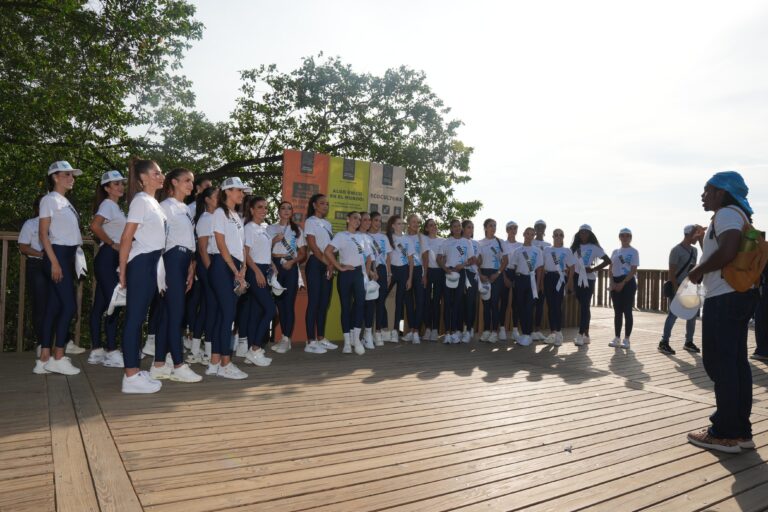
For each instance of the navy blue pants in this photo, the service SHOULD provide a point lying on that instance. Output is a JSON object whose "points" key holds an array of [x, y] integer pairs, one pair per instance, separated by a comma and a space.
{"points": [[381, 303], [623, 302], [554, 300], [223, 282], [525, 302], [399, 279], [105, 269], [434, 296], [170, 331], [155, 314], [414, 300], [261, 308], [470, 301], [725, 326], [453, 304], [37, 284], [210, 305], [194, 313], [492, 306], [318, 298], [584, 296], [352, 297], [286, 301], [761, 321], [242, 314], [60, 305], [538, 311], [141, 281]]}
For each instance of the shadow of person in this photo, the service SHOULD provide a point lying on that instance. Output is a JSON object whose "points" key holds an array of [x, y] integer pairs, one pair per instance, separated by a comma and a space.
{"points": [[624, 363], [750, 473]]}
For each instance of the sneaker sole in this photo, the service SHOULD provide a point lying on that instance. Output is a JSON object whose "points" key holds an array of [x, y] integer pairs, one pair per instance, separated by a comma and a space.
{"points": [[716, 447], [696, 350], [105, 365], [142, 392], [180, 379]]}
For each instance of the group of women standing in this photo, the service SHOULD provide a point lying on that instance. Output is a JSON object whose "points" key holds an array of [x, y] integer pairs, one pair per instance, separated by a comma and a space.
{"points": [[216, 268]]}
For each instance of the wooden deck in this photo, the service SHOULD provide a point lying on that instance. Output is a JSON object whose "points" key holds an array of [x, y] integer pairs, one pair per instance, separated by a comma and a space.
{"points": [[422, 428]]}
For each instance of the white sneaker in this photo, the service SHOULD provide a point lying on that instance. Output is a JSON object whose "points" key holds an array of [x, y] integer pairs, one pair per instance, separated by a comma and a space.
{"points": [[502, 334], [559, 338], [241, 348], [394, 336], [578, 340], [586, 339], [493, 338], [327, 345], [524, 340], [408, 337], [313, 347], [472, 332], [466, 337], [537, 336], [39, 368], [187, 343], [97, 356], [63, 366], [231, 371], [485, 336], [149, 346], [258, 357], [213, 369], [194, 358], [456, 338], [185, 374], [427, 334], [282, 347], [71, 348], [448, 339], [160, 372], [378, 340], [141, 383], [359, 349], [625, 343], [368, 339], [207, 348], [515, 334], [415, 338], [551, 339], [114, 359], [347, 344], [38, 350], [615, 342]]}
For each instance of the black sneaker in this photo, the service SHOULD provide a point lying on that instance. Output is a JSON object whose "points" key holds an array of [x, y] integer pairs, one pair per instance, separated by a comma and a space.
{"points": [[664, 348], [690, 347]]}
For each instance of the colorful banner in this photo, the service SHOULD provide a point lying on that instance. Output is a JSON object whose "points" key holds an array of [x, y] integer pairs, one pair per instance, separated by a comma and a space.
{"points": [[347, 190]]}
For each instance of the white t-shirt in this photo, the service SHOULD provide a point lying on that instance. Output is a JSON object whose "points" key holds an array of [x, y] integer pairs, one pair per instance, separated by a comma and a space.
{"points": [[65, 221], [527, 259], [382, 247], [509, 250], [181, 225], [204, 227], [401, 250], [725, 219], [622, 261], [30, 234], [433, 245], [321, 229], [541, 244], [259, 243], [476, 251], [192, 208], [456, 251], [492, 251], [369, 250], [232, 229], [289, 246], [417, 244], [151, 233], [589, 253], [557, 259], [350, 248], [114, 219]]}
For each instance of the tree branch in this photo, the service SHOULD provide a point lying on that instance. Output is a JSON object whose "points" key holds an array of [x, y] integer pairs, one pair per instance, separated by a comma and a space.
{"points": [[227, 169]]}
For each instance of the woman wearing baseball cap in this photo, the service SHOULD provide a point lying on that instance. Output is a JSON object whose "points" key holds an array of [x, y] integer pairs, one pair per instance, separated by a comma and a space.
{"points": [[624, 262], [587, 251]]}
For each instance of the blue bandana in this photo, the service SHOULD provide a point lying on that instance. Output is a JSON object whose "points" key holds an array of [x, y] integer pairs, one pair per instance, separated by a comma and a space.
{"points": [[733, 183]]}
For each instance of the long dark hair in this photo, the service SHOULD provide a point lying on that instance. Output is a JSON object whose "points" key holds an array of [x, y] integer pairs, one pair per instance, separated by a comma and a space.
{"points": [[576, 245], [728, 200], [168, 188], [198, 181], [424, 230], [223, 201], [311, 204], [294, 226], [200, 206], [248, 205], [391, 222], [137, 167], [100, 195]]}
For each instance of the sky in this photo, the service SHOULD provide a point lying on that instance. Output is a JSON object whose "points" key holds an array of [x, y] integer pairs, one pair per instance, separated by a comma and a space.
{"points": [[611, 113]]}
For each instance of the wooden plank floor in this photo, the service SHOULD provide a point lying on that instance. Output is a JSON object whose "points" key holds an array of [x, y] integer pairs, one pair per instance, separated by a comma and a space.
{"points": [[429, 427]]}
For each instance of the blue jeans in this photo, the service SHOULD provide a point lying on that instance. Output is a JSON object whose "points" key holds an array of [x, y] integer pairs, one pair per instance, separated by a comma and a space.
{"points": [[318, 298], [761, 322], [725, 326], [352, 297], [262, 308], [414, 300], [584, 296], [554, 300], [286, 301], [690, 328], [209, 306], [623, 302], [491, 307], [169, 333], [141, 283], [37, 284], [105, 269], [223, 283], [60, 304]]}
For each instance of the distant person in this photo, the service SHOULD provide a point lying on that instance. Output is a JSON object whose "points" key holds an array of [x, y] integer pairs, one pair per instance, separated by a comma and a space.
{"points": [[726, 317], [37, 281], [508, 281], [761, 321], [558, 277], [540, 228], [624, 262], [528, 262], [587, 251], [682, 258]]}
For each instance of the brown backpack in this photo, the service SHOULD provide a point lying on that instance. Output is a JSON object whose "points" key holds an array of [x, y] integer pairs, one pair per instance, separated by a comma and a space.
{"points": [[743, 272]]}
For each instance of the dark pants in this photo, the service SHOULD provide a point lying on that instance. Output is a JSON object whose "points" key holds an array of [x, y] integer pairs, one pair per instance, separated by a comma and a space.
{"points": [[761, 322], [399, 278], [60, 305], [434, 295], [505, 293], [470, 300], [453, 304], [554, 300], [141, 283], [209, 303], [352, 298], [623, 302], [194, 312], [223, 282], [538, 311], [286, 301], [105, 269], [169, 333], [492, 306], [724, 352], [414, 299], [318, 298], [584, 296], [524, 302], [37, 284], [262, 308], [381, 302], [155, 313]]}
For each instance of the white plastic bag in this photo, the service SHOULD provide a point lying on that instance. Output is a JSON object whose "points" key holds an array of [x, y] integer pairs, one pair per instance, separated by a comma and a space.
{"points": [[688, 299]]}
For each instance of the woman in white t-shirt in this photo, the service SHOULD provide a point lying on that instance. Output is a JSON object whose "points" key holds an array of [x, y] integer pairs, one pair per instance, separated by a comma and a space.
{"points": [[383, 268], [508, 280], [107, 228], [370, 252], [37, 281], [587, 251], [289, 251], [493, 262], [528, 262], [414, 298], [435, 279], [401, 264], [470, 297], [227, 275], [60, 237], [318, 232], [624, 263], [258, 257], [558, 277], [141, 247], [350, 265], [456, 253]]}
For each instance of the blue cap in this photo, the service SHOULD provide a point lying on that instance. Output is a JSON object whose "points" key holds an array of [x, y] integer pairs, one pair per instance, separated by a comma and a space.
{"points": [[733, 183]]}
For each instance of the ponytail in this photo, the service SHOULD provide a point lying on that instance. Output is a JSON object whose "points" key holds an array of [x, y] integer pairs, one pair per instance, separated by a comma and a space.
{"points": [[200, 206], [390, 229], [136, 168]]}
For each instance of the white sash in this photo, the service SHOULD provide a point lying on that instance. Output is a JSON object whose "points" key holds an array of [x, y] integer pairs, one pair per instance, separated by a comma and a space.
{"points": [[81, 267], [161, 285], [581, 271]]}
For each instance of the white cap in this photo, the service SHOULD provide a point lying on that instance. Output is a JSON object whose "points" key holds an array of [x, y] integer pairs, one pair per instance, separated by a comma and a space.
{"points": [[277, 288], [235, 183], [63, 165], [485, 291], [625, 231], [539, 222], [452, 279], [585, 227], [371, 290], [690, 228], [511, 224], [111, 176]]}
